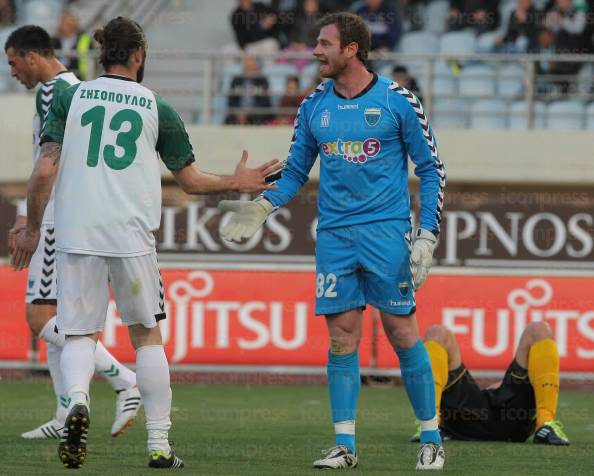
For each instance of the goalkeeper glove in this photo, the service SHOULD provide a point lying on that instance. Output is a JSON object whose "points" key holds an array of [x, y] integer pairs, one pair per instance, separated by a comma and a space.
{"points": [[421, 256], [248, 217]]}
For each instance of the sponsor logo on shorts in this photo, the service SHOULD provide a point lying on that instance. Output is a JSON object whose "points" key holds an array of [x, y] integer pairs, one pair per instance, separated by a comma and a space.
{"points": [[400, 303], [357, 152]]}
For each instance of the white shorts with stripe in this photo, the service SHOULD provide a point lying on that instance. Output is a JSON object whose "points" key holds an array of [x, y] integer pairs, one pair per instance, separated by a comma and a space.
{"points": [[41, 281], [83, 291]]}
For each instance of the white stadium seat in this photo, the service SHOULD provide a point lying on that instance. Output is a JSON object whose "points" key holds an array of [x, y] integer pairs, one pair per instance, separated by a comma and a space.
{"points": [[436, 15], [518, 115], [477, 81], [450, 113], [510, 82], [488, 114], [590, 116], [457, 42], [565, 115]]}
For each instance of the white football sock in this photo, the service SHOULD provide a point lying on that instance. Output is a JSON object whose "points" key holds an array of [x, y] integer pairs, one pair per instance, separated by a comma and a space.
{"points": [[53, 363], [49, 334], [78, 366], [119, 376], [152, 376]]}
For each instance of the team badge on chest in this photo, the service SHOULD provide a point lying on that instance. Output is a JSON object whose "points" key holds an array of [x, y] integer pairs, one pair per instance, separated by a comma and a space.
{"points": [[372, 116]]}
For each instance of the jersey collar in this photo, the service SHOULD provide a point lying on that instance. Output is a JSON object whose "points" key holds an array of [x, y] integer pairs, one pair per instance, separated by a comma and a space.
{"points": [[116, 76], [365, 90]]}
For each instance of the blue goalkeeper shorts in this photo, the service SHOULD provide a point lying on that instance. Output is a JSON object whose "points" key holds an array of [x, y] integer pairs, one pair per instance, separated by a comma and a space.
{"points": [[365, 264]]}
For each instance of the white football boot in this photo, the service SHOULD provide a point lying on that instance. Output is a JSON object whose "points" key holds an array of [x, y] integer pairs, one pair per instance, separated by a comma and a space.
{"points": [[127, 405], [51, 429], [430, 456], [338, 457]]}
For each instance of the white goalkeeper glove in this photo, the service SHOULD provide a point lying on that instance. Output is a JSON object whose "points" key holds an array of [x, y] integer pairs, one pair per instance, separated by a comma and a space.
{"points": [[248, 217], [421, 256]]}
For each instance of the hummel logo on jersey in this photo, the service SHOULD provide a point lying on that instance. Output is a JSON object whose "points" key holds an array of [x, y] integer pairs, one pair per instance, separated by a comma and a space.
{"points": [[347, 106], [325, 120], [353, 151]]}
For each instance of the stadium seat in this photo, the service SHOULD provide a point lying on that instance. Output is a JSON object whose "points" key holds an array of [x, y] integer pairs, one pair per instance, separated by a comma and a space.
{"points": [[486, 41], [417, 43], [450, 113], [590, 116], [230, 70], [565, 115], [584, 79], [505, 10], [457, 42], [309, 74], [518, 115], [277, 74], [436, 14], [45, 13], [444, 82], [477, 81], [488, 114], [510, 83]]}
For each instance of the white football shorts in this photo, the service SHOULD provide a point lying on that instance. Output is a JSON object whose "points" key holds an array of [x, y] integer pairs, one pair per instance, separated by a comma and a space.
{"points": [[83, 291]]}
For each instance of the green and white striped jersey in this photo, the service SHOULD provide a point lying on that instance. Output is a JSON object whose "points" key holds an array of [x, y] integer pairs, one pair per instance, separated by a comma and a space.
{"points": [[43, 100], [108, 189]]}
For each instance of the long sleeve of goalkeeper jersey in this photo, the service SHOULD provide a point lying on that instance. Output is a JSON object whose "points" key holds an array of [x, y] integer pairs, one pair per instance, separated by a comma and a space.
{"points": [[302, 155], [421, 147]]}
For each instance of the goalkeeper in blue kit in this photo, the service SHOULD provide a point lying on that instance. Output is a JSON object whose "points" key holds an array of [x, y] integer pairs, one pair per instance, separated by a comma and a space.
{"points": [[364, 127]]}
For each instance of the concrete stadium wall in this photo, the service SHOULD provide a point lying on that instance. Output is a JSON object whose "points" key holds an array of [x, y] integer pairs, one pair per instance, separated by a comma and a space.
{"points": [[545, 157]]}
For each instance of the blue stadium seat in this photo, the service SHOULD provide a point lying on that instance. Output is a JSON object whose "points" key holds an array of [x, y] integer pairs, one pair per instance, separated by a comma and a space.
{"points": [[565, 115], [457, 42], [518, 115], [477, 81], [584, 79], [510, 83], [590, 116], [488, 114], [435, 16], [450, 113]]}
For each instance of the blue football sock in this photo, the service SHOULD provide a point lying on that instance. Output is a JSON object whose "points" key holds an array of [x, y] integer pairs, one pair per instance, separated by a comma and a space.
{"points": [[344, 385], [417, 377]]}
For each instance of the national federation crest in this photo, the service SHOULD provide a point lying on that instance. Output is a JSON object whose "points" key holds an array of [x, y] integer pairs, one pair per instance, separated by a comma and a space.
{"points": [[325, 119], [372, 116]]}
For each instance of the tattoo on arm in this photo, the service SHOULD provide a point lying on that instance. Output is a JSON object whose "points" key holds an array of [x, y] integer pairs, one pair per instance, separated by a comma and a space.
{"points": [[51, 150]]}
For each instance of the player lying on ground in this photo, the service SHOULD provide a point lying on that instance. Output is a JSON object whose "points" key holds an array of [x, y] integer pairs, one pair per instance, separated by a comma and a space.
{"points": [[510, 410], [32, 62], [101, 146], [364, 127]]}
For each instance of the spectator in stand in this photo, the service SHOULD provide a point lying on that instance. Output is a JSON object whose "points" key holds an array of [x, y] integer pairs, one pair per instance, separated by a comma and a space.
{"points": [[521, 34], [290, 100], [7, 12], [74, 45], [480, 15], [303, 30], [249, 99], [383, 22], [256, 27], [401, 75], [567, 21]]}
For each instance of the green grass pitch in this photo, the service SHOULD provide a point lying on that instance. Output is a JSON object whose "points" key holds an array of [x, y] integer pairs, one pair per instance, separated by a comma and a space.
{"points": [[275, 430]]}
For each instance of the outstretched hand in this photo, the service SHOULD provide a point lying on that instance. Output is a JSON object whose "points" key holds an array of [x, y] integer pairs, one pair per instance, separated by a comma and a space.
{"points": [[254, 180]]}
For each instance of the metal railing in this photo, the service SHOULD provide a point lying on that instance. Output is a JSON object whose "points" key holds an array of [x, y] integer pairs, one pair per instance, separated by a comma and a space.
{"points": [[207, 90]]}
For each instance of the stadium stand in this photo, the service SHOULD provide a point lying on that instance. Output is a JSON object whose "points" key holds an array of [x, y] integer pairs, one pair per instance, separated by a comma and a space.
{"points": [[488, 114]]}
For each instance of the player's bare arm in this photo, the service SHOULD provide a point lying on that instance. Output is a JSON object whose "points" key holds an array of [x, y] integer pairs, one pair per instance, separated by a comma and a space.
{"points": [[38, 194], [245, 179]]}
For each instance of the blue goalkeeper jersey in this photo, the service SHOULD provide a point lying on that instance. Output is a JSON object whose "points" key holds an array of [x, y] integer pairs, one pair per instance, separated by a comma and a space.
{"points": [[364, 144]]}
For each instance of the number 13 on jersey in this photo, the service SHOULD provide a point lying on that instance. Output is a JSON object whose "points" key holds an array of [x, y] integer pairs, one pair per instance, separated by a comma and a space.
{"points": [[127, 119]]}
